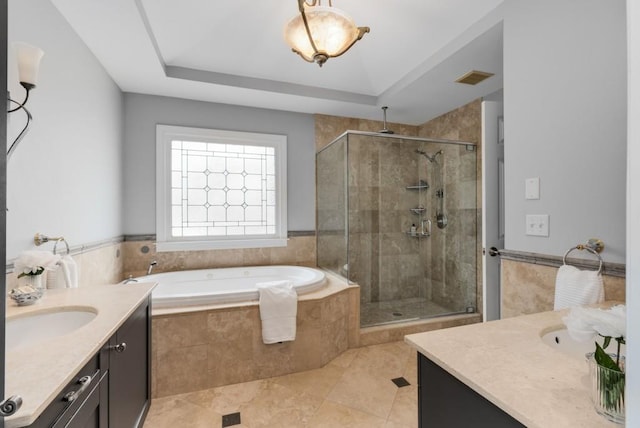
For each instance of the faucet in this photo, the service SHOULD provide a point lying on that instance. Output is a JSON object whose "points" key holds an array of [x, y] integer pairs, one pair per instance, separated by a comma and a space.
{"points": [[151, 265], [130, 279]]}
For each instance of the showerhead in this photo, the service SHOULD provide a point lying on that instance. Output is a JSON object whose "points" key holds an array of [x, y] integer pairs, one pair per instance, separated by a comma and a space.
{"points": [[384, 129]]}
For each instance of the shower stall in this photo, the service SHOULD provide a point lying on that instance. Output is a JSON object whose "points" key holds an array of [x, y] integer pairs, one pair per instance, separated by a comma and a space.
{"points": [[398, 216]]}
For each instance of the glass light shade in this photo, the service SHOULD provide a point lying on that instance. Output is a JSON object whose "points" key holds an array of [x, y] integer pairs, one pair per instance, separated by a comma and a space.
{"points": [[331, 29], [28, 62]]}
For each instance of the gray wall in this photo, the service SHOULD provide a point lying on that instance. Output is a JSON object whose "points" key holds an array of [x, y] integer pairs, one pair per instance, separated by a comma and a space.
{"points": [[65, 177], [143, 112], [633, 213], [565, 122]]}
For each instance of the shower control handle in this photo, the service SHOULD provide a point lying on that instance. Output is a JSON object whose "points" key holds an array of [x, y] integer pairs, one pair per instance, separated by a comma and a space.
{"points": [[426, 232]]}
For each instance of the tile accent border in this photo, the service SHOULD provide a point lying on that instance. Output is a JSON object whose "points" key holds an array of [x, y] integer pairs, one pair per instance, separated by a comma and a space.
{"points": [[608, 268], [152, 236], [75, 250]]}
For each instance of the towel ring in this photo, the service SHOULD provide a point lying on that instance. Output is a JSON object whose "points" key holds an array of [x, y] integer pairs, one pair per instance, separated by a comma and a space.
{"points": [[583, 247], [55, 246]]}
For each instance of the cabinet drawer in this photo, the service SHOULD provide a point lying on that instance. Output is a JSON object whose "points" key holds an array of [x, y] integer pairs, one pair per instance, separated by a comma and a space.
{"points": [[67, 402]]}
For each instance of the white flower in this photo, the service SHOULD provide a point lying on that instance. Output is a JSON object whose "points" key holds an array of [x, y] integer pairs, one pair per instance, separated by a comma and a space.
{"points": [[583, 324], [30, 262]]}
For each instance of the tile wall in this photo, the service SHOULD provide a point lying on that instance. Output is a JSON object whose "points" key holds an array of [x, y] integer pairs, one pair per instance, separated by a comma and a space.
{"points": [[378, 200], [222, 346], [96, 266], [528, 288], [300, 251], [453, 260]]}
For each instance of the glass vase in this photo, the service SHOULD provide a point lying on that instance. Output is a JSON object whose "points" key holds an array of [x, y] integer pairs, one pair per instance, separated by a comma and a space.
{"points": [[607, 390], [34, 281]]}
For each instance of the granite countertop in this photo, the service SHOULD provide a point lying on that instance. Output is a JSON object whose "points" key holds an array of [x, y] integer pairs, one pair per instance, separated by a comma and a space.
{"points": [[39, 372], [506, 362]]}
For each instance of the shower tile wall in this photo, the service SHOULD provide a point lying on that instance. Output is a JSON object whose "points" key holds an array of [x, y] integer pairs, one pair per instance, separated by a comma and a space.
{"points": [[463, 201], [452, 250], [391, 266], [382, 258], [331, 208]]}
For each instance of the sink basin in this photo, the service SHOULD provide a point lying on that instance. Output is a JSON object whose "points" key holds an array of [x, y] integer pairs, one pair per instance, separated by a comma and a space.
{"points": [[560, 340], [36, 326]]}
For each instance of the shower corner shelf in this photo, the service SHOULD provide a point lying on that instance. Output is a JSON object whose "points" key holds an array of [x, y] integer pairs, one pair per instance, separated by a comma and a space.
{"points": [[418, 234], [417, 211], [422, 185]]}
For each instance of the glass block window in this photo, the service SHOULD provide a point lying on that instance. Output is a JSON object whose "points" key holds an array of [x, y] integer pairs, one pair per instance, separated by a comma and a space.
{"points": [[220, 189]]}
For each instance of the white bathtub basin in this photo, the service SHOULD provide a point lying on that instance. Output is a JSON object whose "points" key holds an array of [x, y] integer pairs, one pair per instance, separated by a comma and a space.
{"points": [[226, 285], [560, 340], [34, 327]]}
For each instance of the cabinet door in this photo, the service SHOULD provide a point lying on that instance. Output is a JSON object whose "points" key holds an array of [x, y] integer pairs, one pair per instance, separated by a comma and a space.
{"points": [[130, 370], [444, 401]]}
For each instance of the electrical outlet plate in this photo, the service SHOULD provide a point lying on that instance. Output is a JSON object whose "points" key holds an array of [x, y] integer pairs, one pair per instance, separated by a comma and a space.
{"points": [[537, 225]]}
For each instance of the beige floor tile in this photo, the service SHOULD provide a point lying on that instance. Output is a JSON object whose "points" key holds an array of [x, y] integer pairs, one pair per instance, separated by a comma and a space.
{"points": [[391, 424], [411, 371], [354, 390], [334, 415], [404, 411], [345, 359], [361, 390], [314, 382], [226, 399], [388, 360], [279, 406], [170, 412]]}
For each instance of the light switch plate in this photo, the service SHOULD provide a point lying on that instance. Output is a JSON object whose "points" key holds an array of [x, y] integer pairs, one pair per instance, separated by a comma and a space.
{"points": [[532, 188], [537, 225]]}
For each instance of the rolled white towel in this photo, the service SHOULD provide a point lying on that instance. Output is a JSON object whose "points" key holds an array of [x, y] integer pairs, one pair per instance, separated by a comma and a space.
{"points": [[278, 311], [70, 268], [65, 275], [575, 287]]}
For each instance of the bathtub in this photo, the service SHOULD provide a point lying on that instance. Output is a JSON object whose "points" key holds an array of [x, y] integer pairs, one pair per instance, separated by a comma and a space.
{"points": [[226, 285]]}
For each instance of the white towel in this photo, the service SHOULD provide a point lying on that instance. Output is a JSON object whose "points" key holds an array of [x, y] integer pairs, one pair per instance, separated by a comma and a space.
{"points": [[278, 310], [575, 287], [65, 274]]}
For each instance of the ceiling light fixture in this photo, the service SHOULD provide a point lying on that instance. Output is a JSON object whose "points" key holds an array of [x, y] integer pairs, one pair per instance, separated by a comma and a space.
{"points": [[321, 32], [28, 64]]}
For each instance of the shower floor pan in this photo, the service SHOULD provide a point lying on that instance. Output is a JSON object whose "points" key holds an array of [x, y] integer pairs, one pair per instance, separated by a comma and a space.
{"points": [[402, 310]]}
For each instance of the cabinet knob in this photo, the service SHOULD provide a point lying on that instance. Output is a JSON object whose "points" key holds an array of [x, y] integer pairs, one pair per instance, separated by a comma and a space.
{"points": [[11, 405], [120, 347]]}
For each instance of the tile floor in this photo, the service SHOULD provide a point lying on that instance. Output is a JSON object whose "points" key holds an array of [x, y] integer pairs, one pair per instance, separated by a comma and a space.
{"points": [[354, 390]]}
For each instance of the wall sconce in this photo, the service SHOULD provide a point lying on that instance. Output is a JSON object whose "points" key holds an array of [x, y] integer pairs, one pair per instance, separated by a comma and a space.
{"points": [[321, 32], [28, 63]]}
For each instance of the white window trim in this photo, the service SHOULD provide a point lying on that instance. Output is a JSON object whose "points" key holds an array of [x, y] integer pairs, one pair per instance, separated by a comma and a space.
{"points": [[164, 241]]}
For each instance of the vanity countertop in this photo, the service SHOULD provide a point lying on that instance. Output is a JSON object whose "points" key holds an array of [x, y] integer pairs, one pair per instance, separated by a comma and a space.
{"points": [[507, 363], [39, 372]]}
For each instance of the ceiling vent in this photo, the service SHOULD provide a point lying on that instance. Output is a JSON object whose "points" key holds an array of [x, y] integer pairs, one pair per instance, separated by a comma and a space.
{"points": [[474, 77]]}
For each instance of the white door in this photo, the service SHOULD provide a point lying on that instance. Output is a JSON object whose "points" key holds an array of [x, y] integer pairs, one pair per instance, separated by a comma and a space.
{"points": [[492, 205]]}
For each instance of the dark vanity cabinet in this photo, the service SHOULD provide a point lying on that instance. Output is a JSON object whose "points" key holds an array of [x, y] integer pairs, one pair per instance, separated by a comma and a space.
{"points": [[113, 390], [83, 402], [444, 401], [130, 370]]}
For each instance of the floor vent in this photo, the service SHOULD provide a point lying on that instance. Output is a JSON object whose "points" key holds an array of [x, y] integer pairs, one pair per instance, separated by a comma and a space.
{"points": [[400, 382], [231, 419]]}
